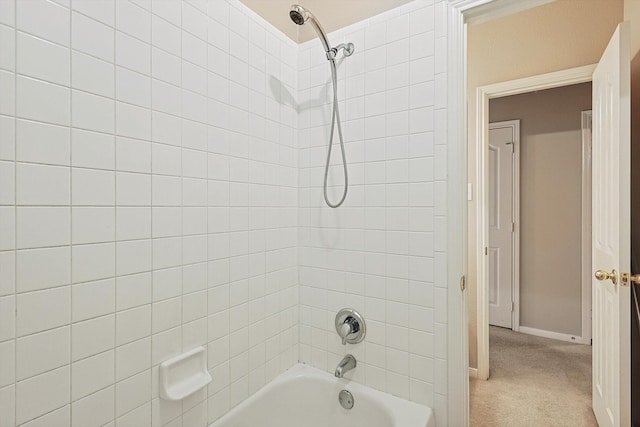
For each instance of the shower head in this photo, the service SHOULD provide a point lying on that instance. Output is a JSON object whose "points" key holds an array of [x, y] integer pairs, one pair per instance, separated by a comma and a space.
{"points": [[300, 16]]}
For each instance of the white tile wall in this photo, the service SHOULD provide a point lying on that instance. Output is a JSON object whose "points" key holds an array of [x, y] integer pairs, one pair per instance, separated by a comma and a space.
{"points": [[382, 252], [162, 189], [148, 205]]}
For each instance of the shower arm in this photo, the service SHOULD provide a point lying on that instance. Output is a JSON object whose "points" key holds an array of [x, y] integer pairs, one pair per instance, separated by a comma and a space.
{"points": [[348, 49]]}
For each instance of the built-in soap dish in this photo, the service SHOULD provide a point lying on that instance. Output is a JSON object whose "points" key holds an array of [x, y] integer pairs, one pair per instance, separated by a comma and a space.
{"points": [[183, 375]]}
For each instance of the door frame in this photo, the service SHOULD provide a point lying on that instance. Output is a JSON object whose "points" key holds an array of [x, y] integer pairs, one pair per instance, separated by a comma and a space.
{"points": [[484, 94], [515, 217], [456, 14]]}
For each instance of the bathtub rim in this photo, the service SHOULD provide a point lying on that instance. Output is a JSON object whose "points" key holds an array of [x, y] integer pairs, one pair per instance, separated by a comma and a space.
{"points": [[403, 412]]}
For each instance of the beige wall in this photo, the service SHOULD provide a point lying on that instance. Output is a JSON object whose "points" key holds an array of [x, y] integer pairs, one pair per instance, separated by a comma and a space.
{"points": [[560, 35], [550, 203]]}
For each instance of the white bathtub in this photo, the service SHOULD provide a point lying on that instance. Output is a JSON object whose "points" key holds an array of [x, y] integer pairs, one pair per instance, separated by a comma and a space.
{"points": [[307, 397]]}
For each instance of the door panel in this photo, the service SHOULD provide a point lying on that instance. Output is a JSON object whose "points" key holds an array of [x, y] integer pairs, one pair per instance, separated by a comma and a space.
{"points": [[500, 250], [611, 232]]}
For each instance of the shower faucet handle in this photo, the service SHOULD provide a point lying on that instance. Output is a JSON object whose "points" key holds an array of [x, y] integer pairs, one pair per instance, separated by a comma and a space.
{"points": [[350, 326], [344, 331]]}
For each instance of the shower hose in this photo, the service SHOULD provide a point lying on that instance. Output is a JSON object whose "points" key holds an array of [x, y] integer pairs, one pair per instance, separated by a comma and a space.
{"points": [[335, 117]]}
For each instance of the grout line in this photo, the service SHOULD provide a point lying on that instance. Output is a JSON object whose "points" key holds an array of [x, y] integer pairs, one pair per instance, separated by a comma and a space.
{"points": [[149, 362], [15, 209], [70, 208], [115, 218], [181, 296], [207, 234]]}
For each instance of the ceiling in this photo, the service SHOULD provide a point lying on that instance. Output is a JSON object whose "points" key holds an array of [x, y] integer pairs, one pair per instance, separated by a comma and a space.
{"points": [[332, 14]]}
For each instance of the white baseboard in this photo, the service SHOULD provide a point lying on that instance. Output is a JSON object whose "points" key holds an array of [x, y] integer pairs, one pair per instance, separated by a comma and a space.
{"points": [[473, 372], [553, 335]]}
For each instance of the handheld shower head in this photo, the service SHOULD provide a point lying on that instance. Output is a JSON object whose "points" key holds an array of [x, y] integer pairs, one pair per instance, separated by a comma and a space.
{"points": [[298, 14]]}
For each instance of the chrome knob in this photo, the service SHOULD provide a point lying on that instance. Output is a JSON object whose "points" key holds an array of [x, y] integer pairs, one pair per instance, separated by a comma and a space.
{"points": [[350, 326]]}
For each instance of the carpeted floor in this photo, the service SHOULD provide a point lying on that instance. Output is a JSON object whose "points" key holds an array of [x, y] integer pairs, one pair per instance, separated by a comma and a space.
{"points": [[535, 382]]}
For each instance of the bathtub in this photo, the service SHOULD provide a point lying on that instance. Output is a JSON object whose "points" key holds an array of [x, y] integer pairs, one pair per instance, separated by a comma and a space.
{"points": [[307, 397]]}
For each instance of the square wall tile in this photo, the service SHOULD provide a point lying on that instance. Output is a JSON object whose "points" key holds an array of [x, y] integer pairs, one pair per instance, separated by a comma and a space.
{"points": [[41, 394], [92, 224], [93, 262], [92, 150], [43, 310], [93, 299], [133, 256], [45, 268], [133, 358], [134, 324], [92, 112], [38, 142], [133, 189], [32, 52], [92, 374], [133, 155], [92, 37], [92, 337], [93, 187], [93, 75], [94, 410], [44, 19], [133, 290], [39, 353], [133, 19], [42, 185], [41, 101], [42, 226]]}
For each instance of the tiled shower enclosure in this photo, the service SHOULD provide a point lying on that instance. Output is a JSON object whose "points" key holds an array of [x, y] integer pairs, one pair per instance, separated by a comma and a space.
{"points": [[161, 167]]}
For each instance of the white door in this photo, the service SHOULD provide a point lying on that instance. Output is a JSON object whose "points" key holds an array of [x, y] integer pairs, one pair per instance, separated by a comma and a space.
{"points": [[611, 233], [502, 137]]}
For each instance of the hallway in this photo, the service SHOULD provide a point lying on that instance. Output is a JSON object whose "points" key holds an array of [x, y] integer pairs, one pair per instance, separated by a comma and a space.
{"points": [[534, 382]]}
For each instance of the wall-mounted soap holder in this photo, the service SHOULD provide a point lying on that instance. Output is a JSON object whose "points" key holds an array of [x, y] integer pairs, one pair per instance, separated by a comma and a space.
{"points": [[183, 375]]}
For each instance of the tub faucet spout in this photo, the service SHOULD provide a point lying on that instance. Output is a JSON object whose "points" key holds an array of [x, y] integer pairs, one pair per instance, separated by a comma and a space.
{"points": [[346, 364]]}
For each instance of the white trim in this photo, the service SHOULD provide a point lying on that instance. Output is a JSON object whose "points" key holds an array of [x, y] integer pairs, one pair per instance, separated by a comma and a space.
{"points": [[560, 78], [515, 319], [473, 373], [485, 11], [586, 225], [515, 218], [457, 11], [554, 335], [484, 93], [457, 399]]}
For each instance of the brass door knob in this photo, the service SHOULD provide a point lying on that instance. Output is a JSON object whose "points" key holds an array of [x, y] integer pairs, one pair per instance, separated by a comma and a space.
{"points": [[603, 275]]}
